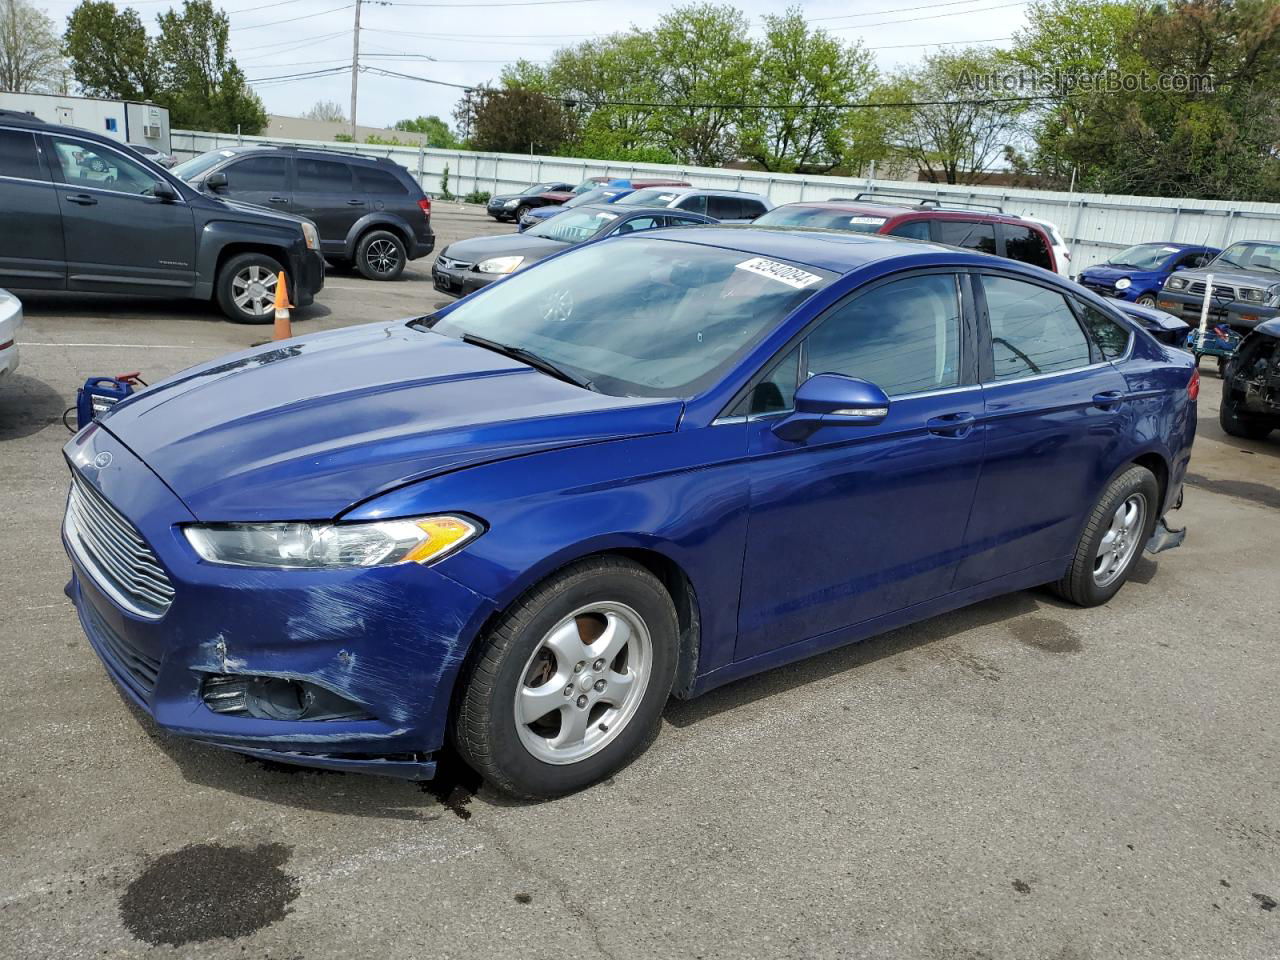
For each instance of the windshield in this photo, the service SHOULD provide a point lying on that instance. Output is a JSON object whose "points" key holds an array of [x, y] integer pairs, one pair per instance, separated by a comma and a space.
{"points": [[649, 198], [594, 196], [190, 169], [572, 226], [537, 188], [1145, 256], [592, 184], [665, 320], [1249, 256], [821, 218]]}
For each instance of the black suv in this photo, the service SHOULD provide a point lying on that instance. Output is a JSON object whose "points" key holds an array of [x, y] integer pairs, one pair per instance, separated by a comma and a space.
{"points": [[79, 211], [370, 212]]}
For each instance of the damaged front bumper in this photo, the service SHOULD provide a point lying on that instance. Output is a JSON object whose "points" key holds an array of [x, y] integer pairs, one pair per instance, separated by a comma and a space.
{"points": [[381, 647]]}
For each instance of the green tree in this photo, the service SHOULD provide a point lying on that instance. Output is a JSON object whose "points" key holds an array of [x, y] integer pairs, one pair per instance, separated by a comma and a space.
{"points": [[436, 131], [517, 121], [110, 52], [796, 64], [30, 55], [204, 89]]}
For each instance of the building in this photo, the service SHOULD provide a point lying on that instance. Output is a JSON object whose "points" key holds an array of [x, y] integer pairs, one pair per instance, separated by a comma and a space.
{"points": [[123, 120], [302, 128]]}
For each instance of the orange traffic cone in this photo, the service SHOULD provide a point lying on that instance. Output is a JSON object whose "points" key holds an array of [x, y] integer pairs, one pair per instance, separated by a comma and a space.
{"points": [[283, 330]]}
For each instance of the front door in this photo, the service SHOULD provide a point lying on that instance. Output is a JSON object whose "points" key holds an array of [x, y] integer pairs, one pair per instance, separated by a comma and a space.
{"points": [[119, 238], [860, 521], [31, 252], [1053, 411]]}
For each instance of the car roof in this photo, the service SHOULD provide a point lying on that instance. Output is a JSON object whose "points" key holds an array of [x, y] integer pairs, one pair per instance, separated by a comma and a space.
{"points": [[305, 152], [632, 212], [686, 191], [891, 211]]}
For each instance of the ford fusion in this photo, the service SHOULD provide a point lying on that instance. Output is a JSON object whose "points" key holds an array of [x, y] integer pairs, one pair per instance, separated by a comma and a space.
{"points": [[644, 467]]}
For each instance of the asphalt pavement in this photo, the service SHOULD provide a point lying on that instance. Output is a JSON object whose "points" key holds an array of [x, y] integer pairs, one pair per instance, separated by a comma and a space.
{"points": [[1021, 779]]}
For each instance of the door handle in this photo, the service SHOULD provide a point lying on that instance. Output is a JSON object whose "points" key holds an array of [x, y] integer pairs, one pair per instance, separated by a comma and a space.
{"points": [[82, 198], [277, 199], [956, 425], [355, 203], [1107, 399]]}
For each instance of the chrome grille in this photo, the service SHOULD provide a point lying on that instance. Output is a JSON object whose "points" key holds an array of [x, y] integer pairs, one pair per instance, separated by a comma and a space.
{"points": [[113, 551], [447, 264], [1218, 290]]}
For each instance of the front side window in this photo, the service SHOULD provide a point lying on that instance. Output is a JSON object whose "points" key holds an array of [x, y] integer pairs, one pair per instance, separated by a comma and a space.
{"points": [[1033, 331], [1026, 245], [258, 174], [18, 157], [967, 234], [323, 176], [1111, 337], [639, 223], [648, 317], [903, 336], [90, 165]]}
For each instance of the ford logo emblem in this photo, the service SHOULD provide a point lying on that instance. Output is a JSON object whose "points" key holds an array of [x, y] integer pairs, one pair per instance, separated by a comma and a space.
{"points": [[102, 460]]}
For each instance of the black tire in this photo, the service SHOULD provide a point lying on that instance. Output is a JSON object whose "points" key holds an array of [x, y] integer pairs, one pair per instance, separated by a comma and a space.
{"points": [[1146, 300], [242, 267], [520, 212], [1235, 425], [380, 255], [485, 726], [1079, 586]]}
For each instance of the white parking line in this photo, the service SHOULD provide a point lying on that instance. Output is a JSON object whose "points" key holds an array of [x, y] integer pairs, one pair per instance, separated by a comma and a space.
{"points": [[123, 346]]}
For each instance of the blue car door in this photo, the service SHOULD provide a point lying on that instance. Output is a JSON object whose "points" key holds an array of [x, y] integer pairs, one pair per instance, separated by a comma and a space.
{"points": [[858, 521], [1053, 418]]}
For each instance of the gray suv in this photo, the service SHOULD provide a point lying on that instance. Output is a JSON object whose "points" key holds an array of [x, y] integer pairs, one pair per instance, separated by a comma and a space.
{"points": [[370, 212], [79, 211], [1246, 287], [726, 206]]}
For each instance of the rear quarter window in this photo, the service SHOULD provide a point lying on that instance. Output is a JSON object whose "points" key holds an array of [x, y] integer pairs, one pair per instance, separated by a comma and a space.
{"points": [[967, 234], [380, 182], [1027, 245]]}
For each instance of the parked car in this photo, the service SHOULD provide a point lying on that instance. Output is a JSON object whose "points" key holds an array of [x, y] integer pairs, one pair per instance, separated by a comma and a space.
{"points": [[1251, 385], [512, 206], [1246, 287], [595, 183], [651, 465], [370, 211], [468, 265], [1061, 252], [1138, 272], [970, 229], [166, 160], [726, 206], [601, 195], [78, 212], [10, 322], [1165, 327]]}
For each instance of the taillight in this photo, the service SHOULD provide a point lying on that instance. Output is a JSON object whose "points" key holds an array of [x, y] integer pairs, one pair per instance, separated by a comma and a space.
{"points": [[1193, 388], [425, 204]]}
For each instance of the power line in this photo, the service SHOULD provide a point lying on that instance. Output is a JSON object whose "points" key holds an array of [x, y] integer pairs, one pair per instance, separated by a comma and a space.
{"points": [[530, 3], [876, 13], [309, 16], [945, 43], [936, 16], [300, 41]]}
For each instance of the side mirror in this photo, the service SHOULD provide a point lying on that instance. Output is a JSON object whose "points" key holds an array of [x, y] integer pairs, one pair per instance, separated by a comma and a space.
{"points": [[832, 400], [163, 190], [215, 181]]}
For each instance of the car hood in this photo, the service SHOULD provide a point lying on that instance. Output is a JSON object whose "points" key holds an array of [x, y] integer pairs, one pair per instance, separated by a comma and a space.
{"points": [[1236, 278], [257, 212], [1105, 271], [505, 245], [306, 428]]}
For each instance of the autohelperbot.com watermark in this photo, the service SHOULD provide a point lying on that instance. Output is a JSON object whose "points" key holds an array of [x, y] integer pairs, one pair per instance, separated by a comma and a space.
{"points": [[1051, 82]]}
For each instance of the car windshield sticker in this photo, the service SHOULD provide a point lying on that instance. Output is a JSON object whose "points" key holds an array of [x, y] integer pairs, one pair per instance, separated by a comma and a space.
{"points": [[227, 153], [606, 216], [783, 273], [1169, 249], [875, 221], [666, 197]]}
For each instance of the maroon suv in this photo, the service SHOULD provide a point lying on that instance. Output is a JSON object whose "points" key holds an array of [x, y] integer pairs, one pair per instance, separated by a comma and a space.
{"points": [[997, 233]]}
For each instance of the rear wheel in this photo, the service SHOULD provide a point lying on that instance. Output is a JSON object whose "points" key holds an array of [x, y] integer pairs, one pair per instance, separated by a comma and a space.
{"points": [[569, 685], [246, 287], [1118, 527], [1236, 425], [380, 255]]}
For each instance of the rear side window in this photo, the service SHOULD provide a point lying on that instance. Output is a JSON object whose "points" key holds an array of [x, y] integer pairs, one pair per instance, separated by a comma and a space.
{"points": [[380, 183], [724, 208], [697, 203], [903, 336], [18, 156], [967, 234], [1112, 338], [751, 209], [916, 229], [1033, 330], [323, 176], [258, 173], [1027, 245]]}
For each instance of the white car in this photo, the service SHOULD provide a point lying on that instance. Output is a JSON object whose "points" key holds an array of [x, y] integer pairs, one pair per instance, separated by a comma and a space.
{"points": [[10, 321], [1061, 252]]}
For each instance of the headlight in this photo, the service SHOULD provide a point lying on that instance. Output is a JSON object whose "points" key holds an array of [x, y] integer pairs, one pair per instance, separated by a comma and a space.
{"points": [[499, 264], [1175, 283], [313, 238], [330, 545], [512, 202], [1124, 283], [1251, 294]]}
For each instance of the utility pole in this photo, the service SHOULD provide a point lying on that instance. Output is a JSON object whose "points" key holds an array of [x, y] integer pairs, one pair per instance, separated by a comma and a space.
{"points": [[355, 68]]}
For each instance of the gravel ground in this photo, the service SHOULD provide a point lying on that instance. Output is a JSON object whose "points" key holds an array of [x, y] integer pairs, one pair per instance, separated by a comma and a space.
{"points": [[1017, 780]]}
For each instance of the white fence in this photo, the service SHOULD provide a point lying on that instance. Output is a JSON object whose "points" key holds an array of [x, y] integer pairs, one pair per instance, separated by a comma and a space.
{"points": [[1096, 226]]}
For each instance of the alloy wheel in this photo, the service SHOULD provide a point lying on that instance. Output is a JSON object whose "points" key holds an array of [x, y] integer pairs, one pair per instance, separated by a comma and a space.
{"points": [[253, 290], [382, 256], [583, 683], [1121, 540]]}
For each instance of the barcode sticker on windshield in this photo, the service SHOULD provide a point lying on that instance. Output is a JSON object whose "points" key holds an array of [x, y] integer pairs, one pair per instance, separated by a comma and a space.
{"points": [[870, 221], [783, 273]]}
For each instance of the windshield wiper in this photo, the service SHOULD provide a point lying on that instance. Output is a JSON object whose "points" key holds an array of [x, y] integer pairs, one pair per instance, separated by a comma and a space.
{"points": [[529, 357]]}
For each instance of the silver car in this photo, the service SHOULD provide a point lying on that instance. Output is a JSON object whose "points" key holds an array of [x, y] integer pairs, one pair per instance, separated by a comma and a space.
{"points": [[10, 321], [727, 206]]}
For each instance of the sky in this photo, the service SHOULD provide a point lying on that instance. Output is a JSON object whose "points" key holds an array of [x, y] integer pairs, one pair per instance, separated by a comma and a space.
{"points": [[468, 41]]}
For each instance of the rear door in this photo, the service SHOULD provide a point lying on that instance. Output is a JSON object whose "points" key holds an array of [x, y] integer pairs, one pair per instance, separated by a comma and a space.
{"points": [[31, 250], [263, 178], [326, 192], [1053, 411], [118, 238]]}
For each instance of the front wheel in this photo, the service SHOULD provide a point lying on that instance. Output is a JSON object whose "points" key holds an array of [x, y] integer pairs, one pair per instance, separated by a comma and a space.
{"points": [[569, 686], [1118, 528], [380, 255], [520, 212], [246, 288], [1146, 300]]}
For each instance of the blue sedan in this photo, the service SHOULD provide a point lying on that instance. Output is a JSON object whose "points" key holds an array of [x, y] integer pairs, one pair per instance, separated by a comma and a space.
{"points": [[1138, 273], [642, 468], [608, 194]]}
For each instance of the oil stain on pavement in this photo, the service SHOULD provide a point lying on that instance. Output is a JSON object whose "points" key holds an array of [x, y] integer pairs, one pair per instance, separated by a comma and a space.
{"points": [[207, 891], [1258, 493], [1046, 635]]}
